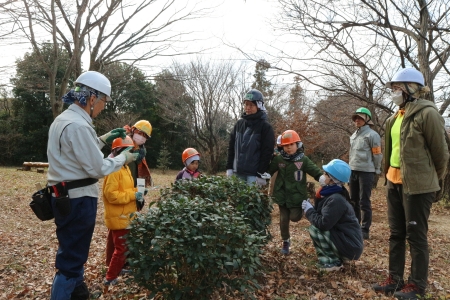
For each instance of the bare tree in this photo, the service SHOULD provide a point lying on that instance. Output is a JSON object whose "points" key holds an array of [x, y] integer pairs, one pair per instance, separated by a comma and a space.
{"points": [[107, 30], [202, 96], [353, 48]]}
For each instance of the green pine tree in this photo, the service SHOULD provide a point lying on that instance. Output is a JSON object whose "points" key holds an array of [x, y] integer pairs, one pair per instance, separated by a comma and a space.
{"points": [[164, 157]]}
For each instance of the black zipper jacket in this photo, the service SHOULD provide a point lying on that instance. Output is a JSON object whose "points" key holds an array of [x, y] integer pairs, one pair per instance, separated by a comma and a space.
{"points": [[251, 145]]}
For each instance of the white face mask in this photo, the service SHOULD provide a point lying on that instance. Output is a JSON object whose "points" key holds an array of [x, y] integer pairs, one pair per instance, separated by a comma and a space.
{"points": [[139, 139], [397, 97], [322, 180]]}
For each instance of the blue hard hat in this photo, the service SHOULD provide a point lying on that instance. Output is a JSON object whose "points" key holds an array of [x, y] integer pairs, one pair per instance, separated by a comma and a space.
{"points": [[254, 95], [339, 169]]}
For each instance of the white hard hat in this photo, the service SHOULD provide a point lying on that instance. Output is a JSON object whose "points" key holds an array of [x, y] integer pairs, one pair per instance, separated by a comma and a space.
{"points": [[279, 140], [407, 75], [96, 81]]}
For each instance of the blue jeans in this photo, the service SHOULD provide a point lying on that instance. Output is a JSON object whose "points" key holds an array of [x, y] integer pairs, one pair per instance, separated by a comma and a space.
{"points": [[360, 191], [74, 233], [249, 179]]}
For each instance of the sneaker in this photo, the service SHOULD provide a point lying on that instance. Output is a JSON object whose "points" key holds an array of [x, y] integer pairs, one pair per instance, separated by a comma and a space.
{"points": [[389, 286], [409, 292], [365, 235], [285, 249], [330, 267], [111, 282]]}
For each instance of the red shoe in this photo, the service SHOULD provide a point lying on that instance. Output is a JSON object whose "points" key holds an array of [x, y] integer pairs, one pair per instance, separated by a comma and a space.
{"points": [[389, 286], [410, 292]]}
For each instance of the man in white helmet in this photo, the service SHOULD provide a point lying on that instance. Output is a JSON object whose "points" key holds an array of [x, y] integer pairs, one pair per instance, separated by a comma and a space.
{"points": [[416, 157], [75, 165]]}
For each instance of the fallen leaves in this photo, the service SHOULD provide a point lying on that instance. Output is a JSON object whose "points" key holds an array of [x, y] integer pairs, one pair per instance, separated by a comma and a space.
{"points": [[28, 249]]}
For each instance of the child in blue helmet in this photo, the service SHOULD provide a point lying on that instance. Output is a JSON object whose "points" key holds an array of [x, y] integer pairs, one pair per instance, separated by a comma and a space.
{"points": [[334, 229]]}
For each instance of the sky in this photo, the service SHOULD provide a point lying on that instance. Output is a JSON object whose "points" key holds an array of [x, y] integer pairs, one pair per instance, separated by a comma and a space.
{"points": [[243, 23]]}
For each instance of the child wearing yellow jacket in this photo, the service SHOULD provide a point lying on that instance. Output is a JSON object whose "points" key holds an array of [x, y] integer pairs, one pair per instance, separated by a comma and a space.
{"points": [[121, 200]]}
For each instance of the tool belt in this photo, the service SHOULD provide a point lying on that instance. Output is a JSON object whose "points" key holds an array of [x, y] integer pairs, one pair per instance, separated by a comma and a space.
{"points": [[41, 203]]}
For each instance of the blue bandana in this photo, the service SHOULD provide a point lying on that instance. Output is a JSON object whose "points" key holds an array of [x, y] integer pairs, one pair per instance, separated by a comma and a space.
{"points": [[330, 189], [82, 94]]}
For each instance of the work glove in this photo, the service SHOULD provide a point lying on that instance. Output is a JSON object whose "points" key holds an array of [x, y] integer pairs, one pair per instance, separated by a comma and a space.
{"points": [[109, 137], [260, 181], [264, 175], [306, 205], [229, 172], [129, 156], [139, 201], [377, 171]]}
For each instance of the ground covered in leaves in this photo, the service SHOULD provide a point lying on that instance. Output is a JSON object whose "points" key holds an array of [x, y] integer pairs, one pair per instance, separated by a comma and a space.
{"points": [[28, 248]]}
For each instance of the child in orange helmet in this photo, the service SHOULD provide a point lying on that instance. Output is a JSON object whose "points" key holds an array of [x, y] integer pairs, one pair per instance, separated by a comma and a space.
{"points": [[290, 188], [121, 200], [190, 158]]}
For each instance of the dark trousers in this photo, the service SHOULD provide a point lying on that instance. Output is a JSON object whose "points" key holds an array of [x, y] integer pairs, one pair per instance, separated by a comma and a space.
{"points": [[360, 191], [74, 233], [293, 214], [408, 221]]}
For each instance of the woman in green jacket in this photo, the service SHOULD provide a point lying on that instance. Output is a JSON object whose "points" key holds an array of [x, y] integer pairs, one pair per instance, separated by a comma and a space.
{"points": [[416, 157], [290, 185]]}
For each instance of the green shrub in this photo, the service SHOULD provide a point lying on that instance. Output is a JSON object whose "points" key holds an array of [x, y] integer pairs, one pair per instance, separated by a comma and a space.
{"points": [[248, 200], [194, 241]]}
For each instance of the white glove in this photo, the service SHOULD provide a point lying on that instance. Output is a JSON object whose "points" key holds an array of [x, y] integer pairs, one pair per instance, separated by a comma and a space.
{"points": [[264, 175], [378, 171], [229, 172], [129, 157], [260, 181], [306, 205]]}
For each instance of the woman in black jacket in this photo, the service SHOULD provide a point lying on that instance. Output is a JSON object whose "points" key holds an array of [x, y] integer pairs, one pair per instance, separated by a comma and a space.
{"points": [[334, 229]]}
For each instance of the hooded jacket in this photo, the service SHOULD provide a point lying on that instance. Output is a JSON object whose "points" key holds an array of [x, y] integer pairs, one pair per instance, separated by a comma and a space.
{"points": [[334, 213], [251, 145], [119, 198], [423, 149]]}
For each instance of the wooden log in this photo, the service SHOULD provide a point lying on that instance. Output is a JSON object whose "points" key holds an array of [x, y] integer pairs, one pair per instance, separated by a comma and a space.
{"points": [[35, 165]]}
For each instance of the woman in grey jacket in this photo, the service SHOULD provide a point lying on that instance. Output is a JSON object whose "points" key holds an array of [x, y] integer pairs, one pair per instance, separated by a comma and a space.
{"points": [[365, 161]]}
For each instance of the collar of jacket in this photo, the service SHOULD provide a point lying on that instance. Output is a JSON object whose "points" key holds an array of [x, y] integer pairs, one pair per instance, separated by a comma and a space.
{"points": [[258, 115], [363, 128], [77, 109]]}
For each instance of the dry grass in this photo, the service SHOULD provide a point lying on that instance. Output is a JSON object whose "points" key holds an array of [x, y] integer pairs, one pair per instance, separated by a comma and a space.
{"points": [[29, 247]]}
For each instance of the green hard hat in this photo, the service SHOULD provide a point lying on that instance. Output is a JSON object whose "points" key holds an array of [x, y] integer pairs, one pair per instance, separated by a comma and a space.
{"points": [[363, 110], [360, 112]]}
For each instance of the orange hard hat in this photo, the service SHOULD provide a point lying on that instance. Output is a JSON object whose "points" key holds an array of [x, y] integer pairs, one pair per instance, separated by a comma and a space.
{"points": [[122, 143], [289, 137], [187, 153]]}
